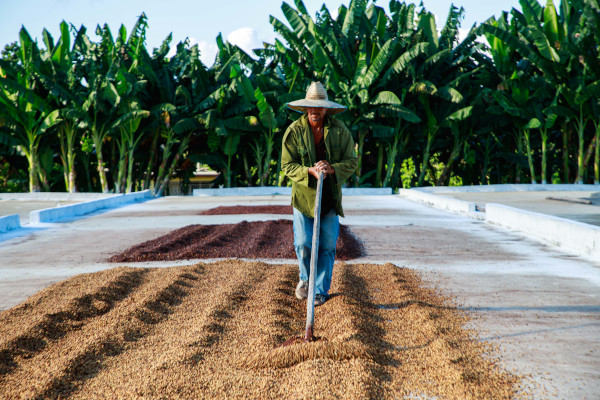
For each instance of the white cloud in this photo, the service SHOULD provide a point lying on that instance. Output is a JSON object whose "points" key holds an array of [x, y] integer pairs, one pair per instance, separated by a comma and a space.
{"points": [[172, 51], [462, 34], [208, 51], [246, 39]]}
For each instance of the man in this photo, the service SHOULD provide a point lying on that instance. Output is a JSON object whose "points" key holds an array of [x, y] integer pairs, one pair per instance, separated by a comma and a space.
{"points": [[317, 142]]}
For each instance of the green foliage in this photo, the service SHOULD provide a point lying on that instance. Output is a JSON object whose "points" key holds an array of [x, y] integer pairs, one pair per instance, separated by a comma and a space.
{"points": [[425, 105], [408, 173]]}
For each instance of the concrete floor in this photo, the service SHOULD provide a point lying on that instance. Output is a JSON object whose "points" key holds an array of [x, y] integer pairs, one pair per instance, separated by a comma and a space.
{"points": [[538, 305], [570, 205]]}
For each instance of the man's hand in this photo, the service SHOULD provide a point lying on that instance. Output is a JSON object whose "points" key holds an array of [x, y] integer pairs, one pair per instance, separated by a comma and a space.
{"points": [[321, 166]]}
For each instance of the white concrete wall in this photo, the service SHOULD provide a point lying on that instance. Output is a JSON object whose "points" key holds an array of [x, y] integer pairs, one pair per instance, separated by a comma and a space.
{"points": [[9, 222], [74, 210], [522, 187], [441, 202], [55, 196], [571, 235]]}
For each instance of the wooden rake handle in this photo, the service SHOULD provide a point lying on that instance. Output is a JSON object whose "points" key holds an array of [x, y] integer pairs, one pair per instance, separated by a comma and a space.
{"points": [[314, 257]]}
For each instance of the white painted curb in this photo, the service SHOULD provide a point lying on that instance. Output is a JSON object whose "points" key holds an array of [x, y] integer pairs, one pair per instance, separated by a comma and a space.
{"points": [[74, 210], [9, 222], [283, 190], [571, 235], [516, 187], [54, 196], [441, 202]]}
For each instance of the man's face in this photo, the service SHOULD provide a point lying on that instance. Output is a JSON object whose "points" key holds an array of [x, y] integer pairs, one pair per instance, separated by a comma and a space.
{"points": [[316, 114]]}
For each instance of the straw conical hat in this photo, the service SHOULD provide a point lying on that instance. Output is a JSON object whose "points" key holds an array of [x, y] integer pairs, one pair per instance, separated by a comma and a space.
{"points": [[316, 96]]}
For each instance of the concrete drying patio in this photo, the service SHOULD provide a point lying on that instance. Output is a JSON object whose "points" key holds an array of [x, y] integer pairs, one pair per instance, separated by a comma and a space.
{"points": [[540, 304]]}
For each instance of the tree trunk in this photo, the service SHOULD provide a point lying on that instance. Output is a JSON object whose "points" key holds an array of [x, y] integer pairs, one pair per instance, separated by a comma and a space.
{"points": [[121, 174], [228, 172], [581, 144], [589, 153], [396, 180], [486, 162], [182, 148], [97, 140], [278, 170], [527, 134], [63, 159], [443, 179], [379, 165], [519, 154], [130, 172], [565, 149], [247, 169], [361, 141], [392, 152], [544, 133], [597, 154], [34, 184], [151, 160], [425, 163], [264, 181]]}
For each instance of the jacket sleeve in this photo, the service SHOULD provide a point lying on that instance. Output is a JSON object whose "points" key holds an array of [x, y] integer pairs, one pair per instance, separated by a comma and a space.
{"points": [[348, 161], [291, 159]]}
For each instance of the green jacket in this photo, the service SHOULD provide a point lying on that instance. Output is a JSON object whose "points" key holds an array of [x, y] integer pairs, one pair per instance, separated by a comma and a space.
{"points": [[298, 154]]}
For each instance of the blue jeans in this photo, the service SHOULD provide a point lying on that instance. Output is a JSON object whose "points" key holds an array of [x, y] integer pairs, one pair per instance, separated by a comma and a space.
{"points": [[328, 234]]}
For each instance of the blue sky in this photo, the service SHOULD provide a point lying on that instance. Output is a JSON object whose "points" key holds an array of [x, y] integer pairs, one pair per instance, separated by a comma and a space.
{"points": [[243, 22]]}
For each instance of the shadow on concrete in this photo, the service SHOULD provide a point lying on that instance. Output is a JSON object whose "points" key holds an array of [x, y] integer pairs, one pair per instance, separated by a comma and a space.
{"points": [[595, 199], [19, 232]]}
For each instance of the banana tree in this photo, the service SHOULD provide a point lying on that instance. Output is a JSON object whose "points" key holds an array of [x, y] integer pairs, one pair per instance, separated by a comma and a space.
{"points": [[128, 126], [547, 118], [100, 100], [226, 120], [269, 125], [391, 106], [27, 119], [176, 135], [583, 97], [98, 115], [460, 133], [183, 91], [438, 70], [67, 135], [27, 116], [517, 102], [558, 49], [60, 77]]}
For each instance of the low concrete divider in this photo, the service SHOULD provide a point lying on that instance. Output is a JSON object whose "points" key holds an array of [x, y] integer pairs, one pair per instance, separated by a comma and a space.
{"points": [[74, 210], [54, 196], [9, 222], [571, 235], [283, 190], [441, 202], [511, 187]]}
